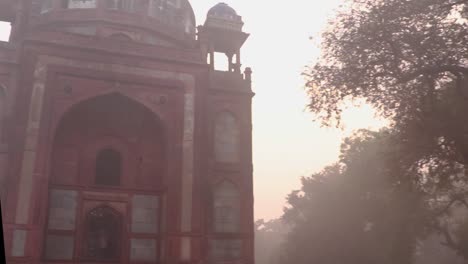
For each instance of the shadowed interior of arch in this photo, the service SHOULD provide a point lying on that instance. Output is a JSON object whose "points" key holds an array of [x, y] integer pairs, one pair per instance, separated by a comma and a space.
{"points": [[102, 234], [108, 167], [109, 140]]}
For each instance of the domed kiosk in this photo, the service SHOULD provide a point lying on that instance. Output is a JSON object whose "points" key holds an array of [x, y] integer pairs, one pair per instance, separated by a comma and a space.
{"points": [[223, 33], [224, 16], [120, 141]]}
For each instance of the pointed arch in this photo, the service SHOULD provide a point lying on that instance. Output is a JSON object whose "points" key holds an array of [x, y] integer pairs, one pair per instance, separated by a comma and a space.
{"points": [[79, 101], [226, 208], [226, 138], [109, 141]]}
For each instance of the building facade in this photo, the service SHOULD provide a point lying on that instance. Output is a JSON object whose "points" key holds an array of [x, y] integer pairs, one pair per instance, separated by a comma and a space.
{"points": [[120, 141]]}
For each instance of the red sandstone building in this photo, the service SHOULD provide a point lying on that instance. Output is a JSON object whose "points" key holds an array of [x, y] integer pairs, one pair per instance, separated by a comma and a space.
{"points": [[120, 142]]}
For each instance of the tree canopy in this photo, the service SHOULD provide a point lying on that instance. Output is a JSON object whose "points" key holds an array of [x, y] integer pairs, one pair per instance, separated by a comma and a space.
{"points": [[356, 210], [395, 54], [409, 60], [269, 238]]}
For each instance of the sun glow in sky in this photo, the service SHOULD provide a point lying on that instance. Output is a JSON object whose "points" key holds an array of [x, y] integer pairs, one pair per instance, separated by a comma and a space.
{"points": [[287, 143]]}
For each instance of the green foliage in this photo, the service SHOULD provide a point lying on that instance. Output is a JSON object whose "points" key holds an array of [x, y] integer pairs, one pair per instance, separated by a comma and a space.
{"points": [[356, 211]]}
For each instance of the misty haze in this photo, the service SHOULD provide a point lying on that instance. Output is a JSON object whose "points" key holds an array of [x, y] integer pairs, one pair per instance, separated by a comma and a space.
{"points": [[237, 132]]}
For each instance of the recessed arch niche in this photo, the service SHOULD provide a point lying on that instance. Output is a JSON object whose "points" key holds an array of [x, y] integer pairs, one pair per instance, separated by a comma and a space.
{"points": [[226, 138], [109, 129]]}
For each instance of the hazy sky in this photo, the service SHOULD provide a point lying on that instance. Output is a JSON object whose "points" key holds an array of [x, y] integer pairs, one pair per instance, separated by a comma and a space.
{"points": [[287, 143]]}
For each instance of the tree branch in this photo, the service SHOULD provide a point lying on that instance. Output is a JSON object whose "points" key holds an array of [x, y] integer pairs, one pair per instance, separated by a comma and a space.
{"points": [[454, 69], [455, 4]]}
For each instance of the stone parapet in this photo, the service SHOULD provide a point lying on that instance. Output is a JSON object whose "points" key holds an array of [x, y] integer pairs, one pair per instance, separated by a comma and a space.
{"points": [[230, 81]]}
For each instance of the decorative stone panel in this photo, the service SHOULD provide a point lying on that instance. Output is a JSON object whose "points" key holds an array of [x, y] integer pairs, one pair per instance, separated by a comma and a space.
{"points": [[62, 210], [143, 250], [145, 214], [226, 249], [226, 208], [19, 243], [226, 139]]}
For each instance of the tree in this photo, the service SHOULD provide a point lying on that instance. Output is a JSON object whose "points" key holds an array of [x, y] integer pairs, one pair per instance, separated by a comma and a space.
{"points": [[269, 238], [409, 60], [356, 211], [432, 251], [452, 227]]}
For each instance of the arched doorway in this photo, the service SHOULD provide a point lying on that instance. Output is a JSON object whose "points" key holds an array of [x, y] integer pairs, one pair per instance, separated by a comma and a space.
{"points": [[107, 172], [102, 234]]}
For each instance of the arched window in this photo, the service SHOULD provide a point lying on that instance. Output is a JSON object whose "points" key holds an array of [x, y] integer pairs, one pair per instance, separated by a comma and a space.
{"points": [[226, 208], [226, 138], [102, 234], [108, 167]]}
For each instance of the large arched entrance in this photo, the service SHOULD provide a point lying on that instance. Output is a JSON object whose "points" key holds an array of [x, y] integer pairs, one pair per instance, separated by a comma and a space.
{"points": [[106, 185]]}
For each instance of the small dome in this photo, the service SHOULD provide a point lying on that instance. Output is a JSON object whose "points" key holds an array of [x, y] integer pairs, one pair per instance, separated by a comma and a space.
{"points": [[224, 16], [223, 10]]}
